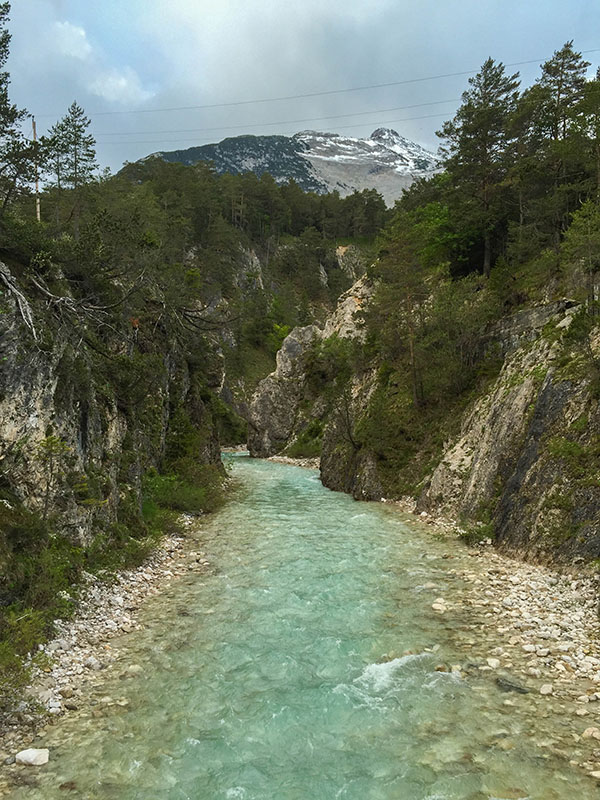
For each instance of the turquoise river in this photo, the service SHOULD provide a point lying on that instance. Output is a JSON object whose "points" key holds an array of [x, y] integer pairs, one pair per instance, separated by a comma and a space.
{"points": [[302, 666]]}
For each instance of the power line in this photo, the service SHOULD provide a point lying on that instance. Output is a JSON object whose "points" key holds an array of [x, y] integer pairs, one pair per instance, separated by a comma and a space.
{"points": [[281, 122], [308, 94], [339, 127]]}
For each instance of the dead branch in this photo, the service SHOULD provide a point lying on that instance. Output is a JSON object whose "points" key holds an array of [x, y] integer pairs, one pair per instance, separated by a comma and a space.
{"points": [[20, 299]]}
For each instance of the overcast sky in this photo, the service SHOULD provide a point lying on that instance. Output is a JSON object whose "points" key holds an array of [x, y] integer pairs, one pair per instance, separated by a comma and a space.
{"points": [[133, 56]]}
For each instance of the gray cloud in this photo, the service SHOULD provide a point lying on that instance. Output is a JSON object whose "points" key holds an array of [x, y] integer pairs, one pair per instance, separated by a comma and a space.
{"points": [[144, 54]]}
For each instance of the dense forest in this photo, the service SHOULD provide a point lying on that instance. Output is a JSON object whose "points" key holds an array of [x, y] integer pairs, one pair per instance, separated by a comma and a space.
{"points": [[138, 312], [513, 220], [160, 295]]}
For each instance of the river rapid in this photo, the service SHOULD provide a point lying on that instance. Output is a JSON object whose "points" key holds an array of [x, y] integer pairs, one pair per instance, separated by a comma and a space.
{"points": [[302, 666]]}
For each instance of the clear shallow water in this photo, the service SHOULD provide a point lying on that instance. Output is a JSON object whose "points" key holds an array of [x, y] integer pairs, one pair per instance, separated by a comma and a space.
{"points": [[280, 675]]}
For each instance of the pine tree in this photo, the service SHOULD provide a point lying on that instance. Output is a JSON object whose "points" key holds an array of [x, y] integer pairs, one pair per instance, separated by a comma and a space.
{"points": [[477, 144], [54, 148], [80, 152], [71, 158], [562, 82], [55, 145], [553, 153], [17, 154], [588, 124]]}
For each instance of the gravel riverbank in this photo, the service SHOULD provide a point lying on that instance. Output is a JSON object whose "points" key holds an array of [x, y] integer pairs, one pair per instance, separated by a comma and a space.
{"points": [[534, 629], [82, 647]]}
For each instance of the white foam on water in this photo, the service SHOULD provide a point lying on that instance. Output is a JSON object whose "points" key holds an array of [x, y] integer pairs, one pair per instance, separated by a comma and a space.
{"points": [[236, 793], [381, 676]]}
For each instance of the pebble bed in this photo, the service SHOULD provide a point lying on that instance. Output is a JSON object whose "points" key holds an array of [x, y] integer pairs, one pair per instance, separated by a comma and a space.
{"points": [[537, 631], [82, 649]]}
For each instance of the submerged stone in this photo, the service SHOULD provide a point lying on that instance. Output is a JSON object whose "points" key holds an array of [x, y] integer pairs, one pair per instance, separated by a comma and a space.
{"points": [[33, 757]]}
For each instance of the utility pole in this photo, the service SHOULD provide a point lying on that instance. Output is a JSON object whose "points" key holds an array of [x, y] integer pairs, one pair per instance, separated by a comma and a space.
{"points": [[37, 176]]}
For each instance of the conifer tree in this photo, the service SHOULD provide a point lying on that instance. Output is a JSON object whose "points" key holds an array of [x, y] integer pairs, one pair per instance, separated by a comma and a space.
{"points": [[562, 82], [71, 158], [17, 154], [554, 151], [588, 125], [79, 146], [476, 147]]}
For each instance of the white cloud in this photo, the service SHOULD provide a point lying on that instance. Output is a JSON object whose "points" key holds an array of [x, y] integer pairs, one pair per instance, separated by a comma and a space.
{"points": [[71, 40], [119, 86]]}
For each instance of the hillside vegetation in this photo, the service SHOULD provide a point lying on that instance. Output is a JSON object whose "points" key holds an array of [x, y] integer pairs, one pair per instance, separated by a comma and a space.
{"points": [[470, 377]]}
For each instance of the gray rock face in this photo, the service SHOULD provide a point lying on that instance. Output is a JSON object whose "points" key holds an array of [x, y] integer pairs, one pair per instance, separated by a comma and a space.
{"points": [[55, 388], [275, 404], [524, 458], [274, 415]]}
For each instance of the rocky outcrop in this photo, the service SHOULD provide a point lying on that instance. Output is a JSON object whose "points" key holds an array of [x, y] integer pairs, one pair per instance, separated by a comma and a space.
{"points": [[274, 410], [282, 406], [81, 423], [525, 465], [351, 261]]}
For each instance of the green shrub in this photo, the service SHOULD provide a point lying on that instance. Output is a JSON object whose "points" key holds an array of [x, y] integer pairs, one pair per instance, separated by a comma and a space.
{"points": [[308, 443], [177, 493], [475, 533]]}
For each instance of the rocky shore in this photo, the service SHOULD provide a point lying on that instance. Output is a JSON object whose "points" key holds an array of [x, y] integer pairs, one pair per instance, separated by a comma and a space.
{"points": [[81, 649], [308, 463], [534, 630]]}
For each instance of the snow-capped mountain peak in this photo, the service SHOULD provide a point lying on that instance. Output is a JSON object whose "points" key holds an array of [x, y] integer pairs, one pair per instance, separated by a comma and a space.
{"points": [[320, 161]]}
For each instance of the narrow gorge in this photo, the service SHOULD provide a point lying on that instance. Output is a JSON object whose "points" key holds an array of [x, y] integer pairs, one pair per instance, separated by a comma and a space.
{"points": [[299, 432]]}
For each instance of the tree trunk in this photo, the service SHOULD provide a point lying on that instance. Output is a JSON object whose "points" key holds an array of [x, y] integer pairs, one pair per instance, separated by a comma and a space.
{"points": [[487, 254], [417, 384]]}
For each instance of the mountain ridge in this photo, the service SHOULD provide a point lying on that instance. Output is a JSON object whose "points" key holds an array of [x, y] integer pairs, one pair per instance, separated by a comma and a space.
{"points": [[320, 162]]}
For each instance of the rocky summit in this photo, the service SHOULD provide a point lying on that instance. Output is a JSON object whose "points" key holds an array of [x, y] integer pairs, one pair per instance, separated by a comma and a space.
{"points": [[321, 162]]}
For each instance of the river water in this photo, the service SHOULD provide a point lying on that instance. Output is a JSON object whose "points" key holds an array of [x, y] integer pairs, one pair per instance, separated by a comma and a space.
{"points": [[302, 666]]}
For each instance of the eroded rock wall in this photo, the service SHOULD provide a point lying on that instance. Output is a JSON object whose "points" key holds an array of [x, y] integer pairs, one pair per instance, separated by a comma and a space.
{"points": [[274, 411], [78, 428], [282, 407], [527, 462]]}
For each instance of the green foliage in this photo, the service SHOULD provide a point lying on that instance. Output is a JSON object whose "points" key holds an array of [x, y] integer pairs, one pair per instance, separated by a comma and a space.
{"points": [[477, 532], [173, 492], [477, 146], [231, 428], [308, 443], [39, 569], [328, 365], [52, 453], [568, 450]]}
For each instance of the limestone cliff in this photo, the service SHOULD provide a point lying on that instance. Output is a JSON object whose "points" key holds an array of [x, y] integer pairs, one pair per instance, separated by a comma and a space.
{"points": [[82, 420], [526, 463], [285, 404], [524, 467], [274, 410]]}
